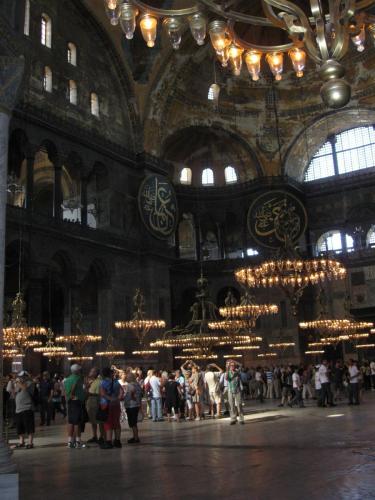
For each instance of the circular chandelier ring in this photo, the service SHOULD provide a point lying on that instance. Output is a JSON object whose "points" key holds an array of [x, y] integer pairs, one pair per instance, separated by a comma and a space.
{"points": [[188, 11], [236, 16], [262, 48]]}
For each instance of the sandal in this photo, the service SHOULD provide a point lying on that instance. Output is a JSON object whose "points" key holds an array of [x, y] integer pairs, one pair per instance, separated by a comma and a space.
{"points": [[29, 446]]}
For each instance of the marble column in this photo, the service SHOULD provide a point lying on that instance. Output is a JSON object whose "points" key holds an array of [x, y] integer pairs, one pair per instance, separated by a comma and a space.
{"points": [[11, 71]]}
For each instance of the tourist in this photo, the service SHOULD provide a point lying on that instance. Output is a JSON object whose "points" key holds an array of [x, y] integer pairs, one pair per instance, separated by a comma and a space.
{"points": [[224, 392], [297, 388], [172, 397], [75, 396], [196, 382], [45, 397], [110, 395], [133, 405], [57, 398], [11, 403], [92, 405], [307, 391], [156, 397], [269, 379], [287, 386], [24, 410], [180, 379], [234, 392], [318, 385], [372, 368], [259, 384], [337, 376], [353, 387], [326, 394], [277, 382], [148, 392], [212, 380]]}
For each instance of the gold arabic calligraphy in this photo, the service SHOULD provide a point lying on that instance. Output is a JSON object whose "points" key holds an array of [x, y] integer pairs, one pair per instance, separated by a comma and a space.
{"points": [[279, 218], [160, 207]]}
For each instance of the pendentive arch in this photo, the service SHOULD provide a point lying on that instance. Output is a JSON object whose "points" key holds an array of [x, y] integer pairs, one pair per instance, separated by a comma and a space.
{"points": [[308, 141]]}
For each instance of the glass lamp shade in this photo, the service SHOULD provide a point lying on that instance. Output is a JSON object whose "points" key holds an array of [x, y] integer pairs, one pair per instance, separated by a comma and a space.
{"points": [[198, 25], [276, 63], [218, 35], [252, 59], [148, 25], [298, 58], [235, 57], [128, 14], [173, 29]]}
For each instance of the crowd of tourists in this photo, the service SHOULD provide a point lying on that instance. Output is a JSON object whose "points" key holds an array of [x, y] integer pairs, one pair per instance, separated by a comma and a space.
{"points": [[104, 400]]}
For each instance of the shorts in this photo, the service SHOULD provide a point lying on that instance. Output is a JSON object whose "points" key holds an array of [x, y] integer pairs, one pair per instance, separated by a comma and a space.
{"points": [[132, 414], [196, 398], [75, 412], [25, 422], [287, 390], [92, 405], [172, 404], [189, 403], [113, 420], [215, 397]]}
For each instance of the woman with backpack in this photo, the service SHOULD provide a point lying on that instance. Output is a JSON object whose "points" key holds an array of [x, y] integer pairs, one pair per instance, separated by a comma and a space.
{"points": [[24, 416], [110, 395]]}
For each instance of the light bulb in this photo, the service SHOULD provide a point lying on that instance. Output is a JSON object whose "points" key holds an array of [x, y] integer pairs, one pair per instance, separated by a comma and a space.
{"points": [[128, 15], [198, 27], [298, 58], [235, 56], [148, 25], [275, 61], [111, 4], [359, 40], [218, 35], [252, 59], [173, 28], [223, 56]]}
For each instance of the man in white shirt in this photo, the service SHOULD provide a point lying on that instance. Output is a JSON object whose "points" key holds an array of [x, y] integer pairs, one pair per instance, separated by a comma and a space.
{"points": [[156, 407], [212, 380], [353, 383], [326, 393], [297, 388]]}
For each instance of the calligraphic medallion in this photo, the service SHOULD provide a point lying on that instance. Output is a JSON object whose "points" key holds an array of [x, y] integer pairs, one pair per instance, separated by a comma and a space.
{"points": [[158, 206], [276, 219]]}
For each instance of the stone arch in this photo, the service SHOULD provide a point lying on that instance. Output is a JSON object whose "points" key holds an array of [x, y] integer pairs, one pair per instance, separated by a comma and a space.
{"points": [[316, 133], [65, 265]]}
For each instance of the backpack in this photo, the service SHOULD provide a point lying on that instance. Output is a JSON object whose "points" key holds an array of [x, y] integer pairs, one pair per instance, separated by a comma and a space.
{"points": [[148, 390]]}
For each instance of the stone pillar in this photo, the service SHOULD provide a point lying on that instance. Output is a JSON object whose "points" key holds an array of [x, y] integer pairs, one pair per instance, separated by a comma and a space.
{"points": [[84, 183], [11, 71], [57, 191]]}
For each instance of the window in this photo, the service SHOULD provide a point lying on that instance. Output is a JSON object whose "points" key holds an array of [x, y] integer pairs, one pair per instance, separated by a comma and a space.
{"points": [[185, 176], [26, 25], [47, 79], [208, 177], [72, 92], [336, 242], [230, 175], [72, 54], [94, 104], [46, 31], [349, 151], [370, 238]]}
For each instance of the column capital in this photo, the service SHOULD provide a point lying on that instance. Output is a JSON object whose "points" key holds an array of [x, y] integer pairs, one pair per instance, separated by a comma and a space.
{"points": [[11, 73]]}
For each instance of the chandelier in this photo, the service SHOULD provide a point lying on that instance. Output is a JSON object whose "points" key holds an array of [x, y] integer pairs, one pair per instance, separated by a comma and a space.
{"points": [[321, 30], [265, 355], [19, 335], [314, 352], [139, 324], [12, 353], [78, 339], [50, 345], [110, 352], [292, 275], [365, 346], [232, 356]]}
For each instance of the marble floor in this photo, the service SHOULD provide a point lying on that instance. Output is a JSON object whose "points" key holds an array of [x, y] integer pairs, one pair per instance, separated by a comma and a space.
{"points": [[283, 454]]}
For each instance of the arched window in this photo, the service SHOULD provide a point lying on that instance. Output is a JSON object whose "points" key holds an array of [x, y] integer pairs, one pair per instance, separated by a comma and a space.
{"points": [[185, 176], [208, 177], [46, 31], [370, 237], [94, 102], [72, 92], [47, 79], [26, 24], [336, 242], [72, 54], [346, 152], [230, 175]]}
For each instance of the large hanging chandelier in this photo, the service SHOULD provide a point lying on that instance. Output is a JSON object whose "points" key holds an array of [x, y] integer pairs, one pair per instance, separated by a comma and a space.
{"points": [[292, 275], [78, 340], [50, 345], [321, 30], [139, 324], [110, 352], [19, 335]]}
